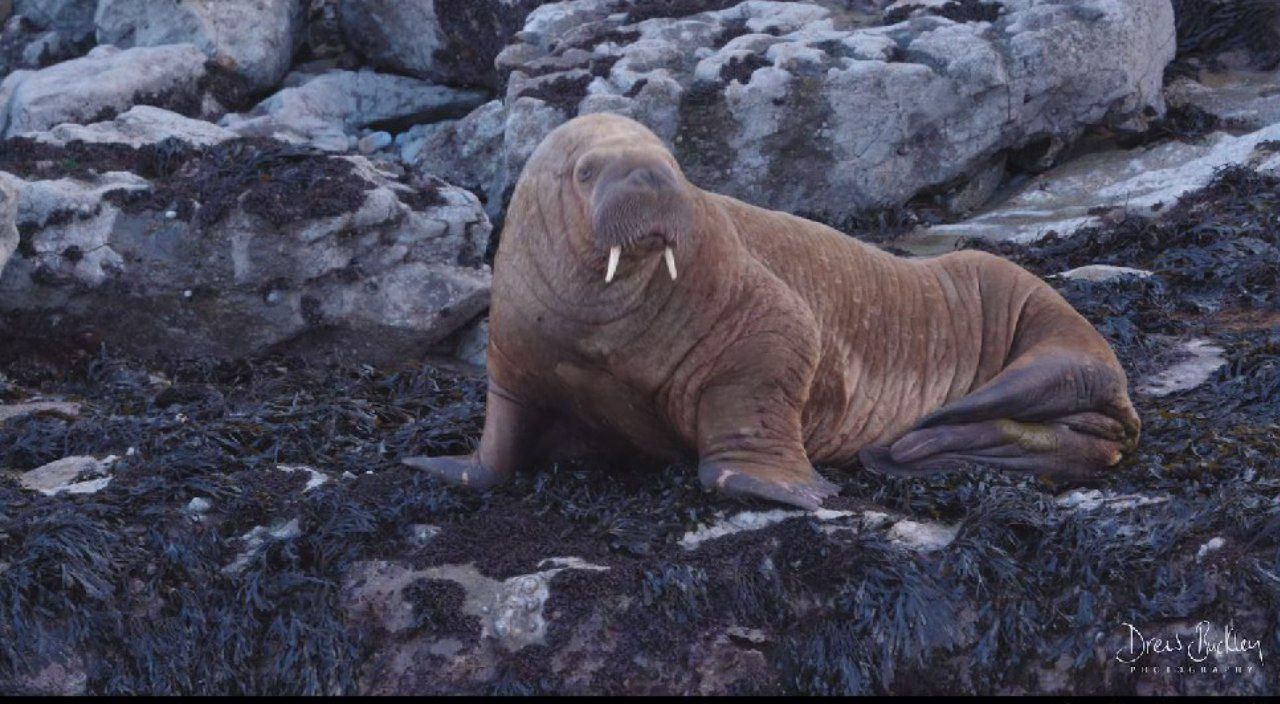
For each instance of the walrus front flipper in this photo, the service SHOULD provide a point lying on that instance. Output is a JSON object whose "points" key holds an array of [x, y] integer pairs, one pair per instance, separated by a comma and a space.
{"points": [[802, 487], [510, 428], [749, 435]]}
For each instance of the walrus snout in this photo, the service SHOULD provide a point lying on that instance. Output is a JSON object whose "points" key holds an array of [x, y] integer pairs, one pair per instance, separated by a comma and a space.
{"points": [[638, 202]]}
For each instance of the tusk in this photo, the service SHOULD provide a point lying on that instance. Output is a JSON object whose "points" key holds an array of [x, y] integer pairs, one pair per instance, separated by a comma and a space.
{"points": [[615, 253], [670, 256]]}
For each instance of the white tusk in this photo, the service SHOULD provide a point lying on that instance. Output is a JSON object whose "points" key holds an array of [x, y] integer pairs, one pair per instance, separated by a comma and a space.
{"points": [[670, 256], [615, 253]]}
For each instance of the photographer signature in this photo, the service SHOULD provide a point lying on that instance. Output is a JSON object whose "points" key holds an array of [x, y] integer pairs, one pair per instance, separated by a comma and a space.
{"points": [[1206, 641]]}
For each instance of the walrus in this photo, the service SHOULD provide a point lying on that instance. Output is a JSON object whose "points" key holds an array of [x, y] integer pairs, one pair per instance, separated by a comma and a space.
{"points": [[648, 314]]}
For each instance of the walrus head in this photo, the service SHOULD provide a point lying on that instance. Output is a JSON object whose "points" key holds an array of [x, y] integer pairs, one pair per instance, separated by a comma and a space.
{"points": [[627, 187]]}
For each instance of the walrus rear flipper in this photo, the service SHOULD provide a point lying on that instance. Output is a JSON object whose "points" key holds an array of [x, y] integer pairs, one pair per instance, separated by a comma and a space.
{"points": [[1054, 415]]}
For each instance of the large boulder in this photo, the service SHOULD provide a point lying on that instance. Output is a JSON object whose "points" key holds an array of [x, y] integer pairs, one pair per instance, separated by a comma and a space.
{"points": [[450, 41], [238, 247], [101, 84], [328, 110], [806, 107], [254, 38]]}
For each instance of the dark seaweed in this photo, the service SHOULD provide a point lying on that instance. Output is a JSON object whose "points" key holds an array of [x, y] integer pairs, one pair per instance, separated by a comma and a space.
{"points": [[1029, 597]]}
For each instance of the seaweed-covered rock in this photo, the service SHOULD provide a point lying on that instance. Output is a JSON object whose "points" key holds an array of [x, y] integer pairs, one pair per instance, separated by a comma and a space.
{"points": [[105, 82], [328, 109], [448, 41], [805, 107], [231, 249], [255, 39]]}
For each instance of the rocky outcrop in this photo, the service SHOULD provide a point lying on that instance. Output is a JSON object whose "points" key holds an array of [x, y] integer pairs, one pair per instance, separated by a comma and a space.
{"points": [[237, 248], [328, 110], [105, 82], [807, 108], [255, 40], [448, 41], [71, 18]]}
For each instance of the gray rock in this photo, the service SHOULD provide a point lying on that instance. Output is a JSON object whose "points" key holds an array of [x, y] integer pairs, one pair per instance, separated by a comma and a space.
{"points": [[61, 476], [442, 40], [468, 152], [1103, 272], [794, 106], [1139, 181], [254, 38], [105, 82], [71, 18], [510, 611], [140, 125], [327, 110], [8, 222], [14, 411], [399, 271]]}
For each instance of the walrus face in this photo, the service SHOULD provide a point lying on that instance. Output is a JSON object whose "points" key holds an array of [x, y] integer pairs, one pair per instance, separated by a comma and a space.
{"points": [[636, 201]]}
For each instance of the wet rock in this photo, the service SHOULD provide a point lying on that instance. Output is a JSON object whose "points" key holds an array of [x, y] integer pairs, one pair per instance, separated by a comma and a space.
{"points": [[71, 18], [1203, 359], [329, 109], [73, 475], [1244, 100], [307, 250], [255, 40], [105, 82], [1139, 181], [794, 106], [140, 125], [448, 41]]}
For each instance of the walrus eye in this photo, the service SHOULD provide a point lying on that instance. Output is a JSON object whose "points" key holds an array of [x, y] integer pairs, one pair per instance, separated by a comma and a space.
{"points": [[585, 174]]}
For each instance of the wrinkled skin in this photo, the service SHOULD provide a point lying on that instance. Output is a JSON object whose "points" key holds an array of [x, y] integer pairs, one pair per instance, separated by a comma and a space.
{"points": [[782, 343]]}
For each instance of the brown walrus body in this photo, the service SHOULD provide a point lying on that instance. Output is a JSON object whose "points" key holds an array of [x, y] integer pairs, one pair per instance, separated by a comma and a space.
{"points": [[780, 343]]}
